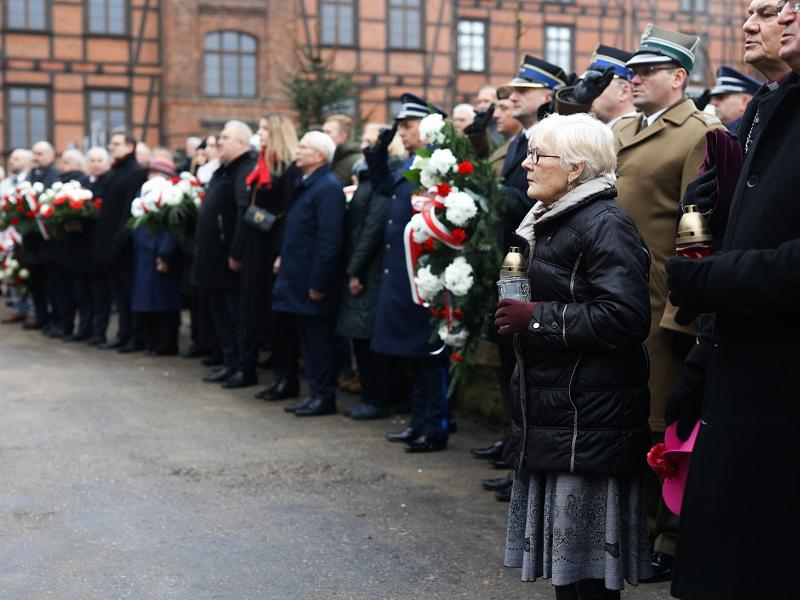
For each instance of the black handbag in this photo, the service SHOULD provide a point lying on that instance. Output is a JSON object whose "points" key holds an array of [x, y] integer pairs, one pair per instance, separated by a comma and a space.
{"points": [[259, 218]]}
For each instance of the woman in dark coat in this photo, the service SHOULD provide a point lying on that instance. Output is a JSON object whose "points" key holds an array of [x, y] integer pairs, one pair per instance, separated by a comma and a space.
{"points": [[579, 432], [254, 250], [156, 292], [739, 517]]}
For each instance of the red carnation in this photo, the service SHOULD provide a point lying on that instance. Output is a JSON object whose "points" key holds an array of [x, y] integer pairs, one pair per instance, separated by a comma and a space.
{"points": [[98, 203], [14, 220], [458, 235], [59, 200], [661, 465], [76, 204], [466, 168], [20, 208], [456, 357], [30, 214], [429, 245], [443, 189], [458, 314]]}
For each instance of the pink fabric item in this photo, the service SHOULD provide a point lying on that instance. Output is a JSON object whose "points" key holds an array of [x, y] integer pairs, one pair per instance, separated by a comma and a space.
{"points": [[679, 453]]}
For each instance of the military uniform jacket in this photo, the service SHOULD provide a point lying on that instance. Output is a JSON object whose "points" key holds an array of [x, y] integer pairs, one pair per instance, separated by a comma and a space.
{"points": [[654, 166], [402, 328]]}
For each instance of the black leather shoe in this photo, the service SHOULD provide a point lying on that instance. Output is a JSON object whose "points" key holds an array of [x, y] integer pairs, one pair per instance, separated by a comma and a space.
{"points": [[494, 451], [407, 435], [499, 463], [505, 496], [56, 332], [290, 408], [662, 568], [75, 337], [130, 348], [218, 375], [493, 485], [366, 412], [316, 408], [96, 341], [281, 389], [32, 324], [424, 444], [240, 379], [114, 344]]}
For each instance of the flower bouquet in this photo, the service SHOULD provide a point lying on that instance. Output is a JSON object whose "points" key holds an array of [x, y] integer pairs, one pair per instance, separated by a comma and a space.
{"points": [[451, 243], [12, 273], [65, 204], [167, 204], [20, 208]]}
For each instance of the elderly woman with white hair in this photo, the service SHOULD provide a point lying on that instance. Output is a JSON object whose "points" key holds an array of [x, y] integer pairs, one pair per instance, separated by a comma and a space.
{"points": [[580, 407]]}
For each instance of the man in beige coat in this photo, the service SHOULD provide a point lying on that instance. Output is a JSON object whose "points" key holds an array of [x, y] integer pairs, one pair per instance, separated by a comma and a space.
{"points": [[658, 155]]}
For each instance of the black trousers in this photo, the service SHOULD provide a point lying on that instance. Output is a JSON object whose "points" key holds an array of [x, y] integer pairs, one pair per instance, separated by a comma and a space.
{"points": [[60, 297], [224, 308], [318, 346], [160, 331], [38, 287], [84, 301], [388, 383], [121, 282], [430, 402], [285, 346], [100, 280]]}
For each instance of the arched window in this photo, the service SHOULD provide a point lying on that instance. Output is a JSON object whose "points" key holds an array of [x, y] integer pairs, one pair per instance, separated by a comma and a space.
{"points": [[229, 62]]}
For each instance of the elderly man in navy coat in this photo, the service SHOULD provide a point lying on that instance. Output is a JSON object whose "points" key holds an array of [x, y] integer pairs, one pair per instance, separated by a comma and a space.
{"points": [[402, 328], [309, 270]]}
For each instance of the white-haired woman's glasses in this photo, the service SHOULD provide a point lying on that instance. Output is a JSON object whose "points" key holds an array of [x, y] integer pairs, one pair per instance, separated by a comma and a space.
{"points": [[534, 155]]}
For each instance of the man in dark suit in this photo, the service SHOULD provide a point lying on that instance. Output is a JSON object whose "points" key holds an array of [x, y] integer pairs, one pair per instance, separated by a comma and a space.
{"points": [[227, 192], [46, 173], [309, 270], [109, 252]]}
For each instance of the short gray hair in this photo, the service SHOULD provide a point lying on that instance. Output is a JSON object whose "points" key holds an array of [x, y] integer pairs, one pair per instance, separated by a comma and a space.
{"points": [[74, 156], [242, 129], [577, 139], [323, 143]]}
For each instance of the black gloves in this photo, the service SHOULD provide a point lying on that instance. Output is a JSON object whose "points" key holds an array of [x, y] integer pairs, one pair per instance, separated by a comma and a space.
{"points": [[684, 279], [699, 192], [685, 401], [377, 158], [481, 122], [592, 85], [701, 101]]}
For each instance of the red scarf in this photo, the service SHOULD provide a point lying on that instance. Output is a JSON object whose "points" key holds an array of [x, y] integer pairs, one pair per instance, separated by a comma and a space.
{"points": [[260, 176]]}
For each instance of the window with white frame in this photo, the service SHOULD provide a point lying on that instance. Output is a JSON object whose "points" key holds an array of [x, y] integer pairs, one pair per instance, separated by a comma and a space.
{"points": [[558, 46], [472, 45]]}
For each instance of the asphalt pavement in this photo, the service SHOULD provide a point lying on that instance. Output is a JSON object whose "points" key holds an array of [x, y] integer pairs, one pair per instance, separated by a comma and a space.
{"points": [[126, 477]]}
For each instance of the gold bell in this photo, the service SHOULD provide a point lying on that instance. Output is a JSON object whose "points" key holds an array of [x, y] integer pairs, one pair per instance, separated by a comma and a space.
{"points": [[692, 228], [513, 263]]}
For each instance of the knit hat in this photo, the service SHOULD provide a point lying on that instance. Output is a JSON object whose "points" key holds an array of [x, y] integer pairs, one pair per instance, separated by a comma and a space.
{"points": [[162, 165]]}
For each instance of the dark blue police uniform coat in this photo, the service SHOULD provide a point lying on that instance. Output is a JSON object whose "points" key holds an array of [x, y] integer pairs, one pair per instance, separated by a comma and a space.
{"points": [[311, 247], [402, 328], [154, 291]]}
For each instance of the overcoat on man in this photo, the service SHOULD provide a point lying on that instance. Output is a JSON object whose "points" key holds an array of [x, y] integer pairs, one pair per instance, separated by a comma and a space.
{"points": [[311, 247], [743, 469], [216, 221], [654, 166], [498, 157], [122, 185]]}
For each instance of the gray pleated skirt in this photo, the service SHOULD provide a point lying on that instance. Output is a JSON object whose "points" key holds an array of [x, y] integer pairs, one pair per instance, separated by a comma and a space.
{"points": [[571, 527]]}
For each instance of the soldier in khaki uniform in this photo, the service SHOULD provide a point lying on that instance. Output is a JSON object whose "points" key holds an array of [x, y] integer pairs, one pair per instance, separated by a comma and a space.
{"points": [[658, 155]]}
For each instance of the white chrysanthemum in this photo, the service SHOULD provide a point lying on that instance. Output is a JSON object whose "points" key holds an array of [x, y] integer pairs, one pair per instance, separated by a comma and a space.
{"points": [[460, 208], [430, 129], [454, 338], [172, 196], [419, 162], [427, 178], [38, 187], [56, 186], [24, 273], [13, 263], [428, 284], [443, 161], [458, 277], [418, 228], [137, 210]]}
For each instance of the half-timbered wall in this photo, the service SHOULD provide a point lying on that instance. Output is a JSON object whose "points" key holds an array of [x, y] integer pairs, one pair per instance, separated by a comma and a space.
{"points": [[68, 62]]}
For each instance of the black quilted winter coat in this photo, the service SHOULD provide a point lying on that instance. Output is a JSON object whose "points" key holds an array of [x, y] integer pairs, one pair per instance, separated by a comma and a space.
{"points": [[580, 395]]}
